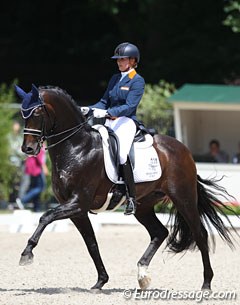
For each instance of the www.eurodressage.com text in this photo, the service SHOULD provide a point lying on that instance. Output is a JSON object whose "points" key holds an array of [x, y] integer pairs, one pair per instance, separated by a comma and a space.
{"points": [[197, 296]]}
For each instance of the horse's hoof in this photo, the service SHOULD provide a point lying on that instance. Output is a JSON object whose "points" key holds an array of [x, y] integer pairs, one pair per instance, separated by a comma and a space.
{"points": [[144, 282], [95, 290], [102, 280], [98, 286], [206, 287], [26, 260]]}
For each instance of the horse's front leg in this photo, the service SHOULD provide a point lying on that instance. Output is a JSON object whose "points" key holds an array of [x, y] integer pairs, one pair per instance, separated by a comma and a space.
{"points": [[60, 212], [84, 226]]}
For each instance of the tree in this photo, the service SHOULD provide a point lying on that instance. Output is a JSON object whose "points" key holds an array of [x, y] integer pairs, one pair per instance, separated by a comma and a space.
{"points": [[179, 41], [6, 114], [233, 18], [154, 110]]}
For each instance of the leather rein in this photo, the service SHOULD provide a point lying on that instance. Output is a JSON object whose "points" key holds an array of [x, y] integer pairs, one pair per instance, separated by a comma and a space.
{"points": [[42, 136]]}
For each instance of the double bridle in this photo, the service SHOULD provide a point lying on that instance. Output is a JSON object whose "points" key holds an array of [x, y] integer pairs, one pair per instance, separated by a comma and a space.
{"points": [[40, 133]]}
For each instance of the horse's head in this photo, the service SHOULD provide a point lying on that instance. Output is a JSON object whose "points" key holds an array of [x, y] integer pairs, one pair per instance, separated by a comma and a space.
{"points": [[32, 110], [50, 114]]}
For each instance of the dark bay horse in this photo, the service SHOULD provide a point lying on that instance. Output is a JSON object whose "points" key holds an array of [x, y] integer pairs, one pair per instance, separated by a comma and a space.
{"points": [[80, 183]]}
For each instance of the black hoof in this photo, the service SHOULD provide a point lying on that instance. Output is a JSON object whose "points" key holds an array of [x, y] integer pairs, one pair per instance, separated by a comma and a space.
{"points": [[100, 283], [26, 259], [206, 287], [95, 290]]}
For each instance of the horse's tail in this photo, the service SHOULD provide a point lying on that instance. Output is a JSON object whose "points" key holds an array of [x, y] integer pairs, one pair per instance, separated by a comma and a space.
{"points": [[209, 204]]}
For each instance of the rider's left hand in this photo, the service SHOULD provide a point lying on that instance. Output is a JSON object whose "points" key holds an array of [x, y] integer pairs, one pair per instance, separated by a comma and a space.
{"points": [[85, 110], [99, 113]]}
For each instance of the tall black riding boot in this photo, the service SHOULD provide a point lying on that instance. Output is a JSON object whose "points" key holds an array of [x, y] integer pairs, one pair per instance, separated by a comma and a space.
{"points": [[130, 188]]}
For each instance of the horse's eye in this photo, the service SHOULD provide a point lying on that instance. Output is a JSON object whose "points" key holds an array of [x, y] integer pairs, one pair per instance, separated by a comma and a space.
{"points": [[37, 112]]}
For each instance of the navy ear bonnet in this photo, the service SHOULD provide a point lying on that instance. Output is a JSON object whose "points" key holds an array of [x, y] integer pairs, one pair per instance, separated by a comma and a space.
{"points": [[30, 101]]}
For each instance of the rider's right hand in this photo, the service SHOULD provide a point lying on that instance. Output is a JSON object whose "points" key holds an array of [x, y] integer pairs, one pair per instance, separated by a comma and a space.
{"points": [[85, 110]]}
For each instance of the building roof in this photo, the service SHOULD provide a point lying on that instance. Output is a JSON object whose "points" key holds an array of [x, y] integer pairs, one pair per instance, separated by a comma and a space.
{"points": [[198, 93]]}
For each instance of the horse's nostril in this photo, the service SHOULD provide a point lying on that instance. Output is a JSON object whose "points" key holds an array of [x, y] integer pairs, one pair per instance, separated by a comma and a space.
{"points": [[27, 149]]}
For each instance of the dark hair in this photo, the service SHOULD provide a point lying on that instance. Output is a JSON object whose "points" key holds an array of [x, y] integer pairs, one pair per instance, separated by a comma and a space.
{"points": [[214, 141]]}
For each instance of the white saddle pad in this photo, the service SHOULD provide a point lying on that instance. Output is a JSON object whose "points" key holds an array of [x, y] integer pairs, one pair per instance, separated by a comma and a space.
{"points": [[147, 165]]}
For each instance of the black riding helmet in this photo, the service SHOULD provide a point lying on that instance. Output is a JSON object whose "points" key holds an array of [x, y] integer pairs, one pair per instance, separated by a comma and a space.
{"points": [[126, 49]]}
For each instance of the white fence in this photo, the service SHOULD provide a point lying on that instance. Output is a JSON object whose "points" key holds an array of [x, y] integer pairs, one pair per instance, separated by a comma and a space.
{"points": [[230, 174], [25, 221]]}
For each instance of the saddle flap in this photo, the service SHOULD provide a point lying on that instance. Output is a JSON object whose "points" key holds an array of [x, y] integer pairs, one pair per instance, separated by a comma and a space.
{"points": [[147, 165]]}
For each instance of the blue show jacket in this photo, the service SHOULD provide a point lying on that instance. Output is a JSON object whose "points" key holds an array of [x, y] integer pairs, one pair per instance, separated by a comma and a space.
{"points": [[122, 98]]}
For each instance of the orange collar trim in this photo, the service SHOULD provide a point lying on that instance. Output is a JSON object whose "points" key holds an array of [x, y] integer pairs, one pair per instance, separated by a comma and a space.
{"points": [[132, 74]]}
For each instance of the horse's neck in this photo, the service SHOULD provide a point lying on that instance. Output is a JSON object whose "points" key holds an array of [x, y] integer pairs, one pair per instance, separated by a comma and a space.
{"points": [[86, 143], [66, 114], [67, 119]]}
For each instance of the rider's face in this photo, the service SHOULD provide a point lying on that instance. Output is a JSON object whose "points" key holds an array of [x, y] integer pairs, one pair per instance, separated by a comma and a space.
{"points": [[124, 64]]}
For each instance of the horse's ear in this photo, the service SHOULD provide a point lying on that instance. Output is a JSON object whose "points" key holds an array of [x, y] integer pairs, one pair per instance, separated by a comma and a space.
{"points": [[20, 92], [35, 92]]}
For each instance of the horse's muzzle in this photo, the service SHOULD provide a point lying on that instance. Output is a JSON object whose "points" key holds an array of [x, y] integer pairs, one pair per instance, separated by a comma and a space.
{"points": [[32, 150]]}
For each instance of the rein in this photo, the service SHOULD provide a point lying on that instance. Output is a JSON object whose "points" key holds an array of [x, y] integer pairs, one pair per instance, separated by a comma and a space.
{"points": [[74, 131], [40, 133]]}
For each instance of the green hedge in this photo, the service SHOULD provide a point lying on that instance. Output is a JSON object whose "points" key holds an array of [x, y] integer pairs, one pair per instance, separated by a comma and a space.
{"points": [[7, 97], [154, 110], [166, 207]]}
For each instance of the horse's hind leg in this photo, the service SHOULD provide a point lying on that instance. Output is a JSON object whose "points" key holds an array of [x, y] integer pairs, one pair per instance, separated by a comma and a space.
{"points": [[84, 226], [190, 213], [201, 237], [147, 217]]}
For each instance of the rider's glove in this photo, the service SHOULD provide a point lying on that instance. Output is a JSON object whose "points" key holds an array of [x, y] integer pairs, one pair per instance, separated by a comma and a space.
{"points": [[85, 110], [99, 113]]}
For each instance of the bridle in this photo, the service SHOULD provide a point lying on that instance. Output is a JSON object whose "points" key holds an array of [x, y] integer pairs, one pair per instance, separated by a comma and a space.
{"points": [[41, 133]]}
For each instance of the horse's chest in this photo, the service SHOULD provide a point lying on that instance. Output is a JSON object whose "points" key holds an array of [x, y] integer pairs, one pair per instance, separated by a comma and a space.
{"points": [[62, 180], [64, 177]]}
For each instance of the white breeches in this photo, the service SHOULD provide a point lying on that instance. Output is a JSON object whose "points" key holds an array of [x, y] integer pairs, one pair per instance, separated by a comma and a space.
{"points": [[125, 129]]}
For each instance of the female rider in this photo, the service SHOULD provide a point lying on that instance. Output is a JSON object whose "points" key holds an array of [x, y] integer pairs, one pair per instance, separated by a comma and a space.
{"points": [[119, 105]]}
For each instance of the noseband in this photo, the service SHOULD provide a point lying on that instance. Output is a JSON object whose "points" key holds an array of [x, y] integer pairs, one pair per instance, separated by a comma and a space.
{"points": [[33, 132]]}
